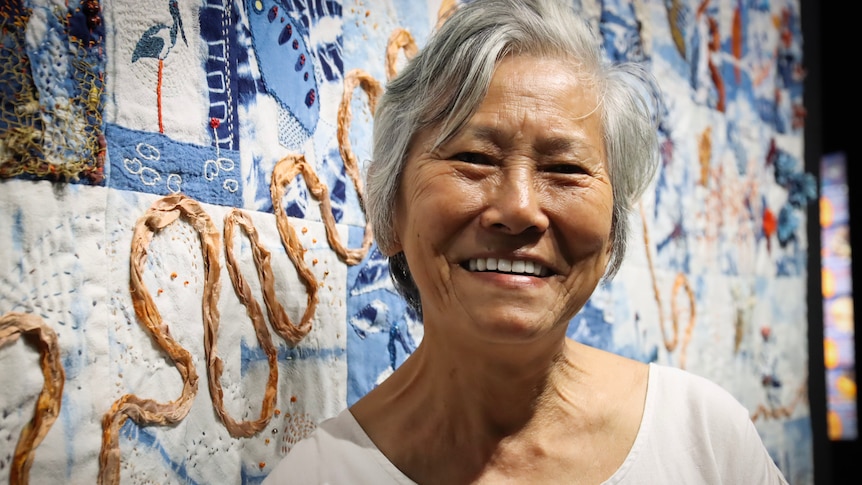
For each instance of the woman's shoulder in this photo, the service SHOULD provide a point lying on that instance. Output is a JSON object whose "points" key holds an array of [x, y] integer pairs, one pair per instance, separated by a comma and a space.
{"points": [[694, 421], [337, 452], [676, 387], [302, 462], [697, 410]]}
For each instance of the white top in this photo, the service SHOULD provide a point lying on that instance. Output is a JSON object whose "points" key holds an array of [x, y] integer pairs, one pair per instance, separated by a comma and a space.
{"points": [[692, 432]]}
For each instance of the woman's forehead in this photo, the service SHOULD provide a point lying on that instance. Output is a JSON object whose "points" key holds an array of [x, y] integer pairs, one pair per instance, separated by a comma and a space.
{"points": [[545, 71], [539, 93], [532, 75]]}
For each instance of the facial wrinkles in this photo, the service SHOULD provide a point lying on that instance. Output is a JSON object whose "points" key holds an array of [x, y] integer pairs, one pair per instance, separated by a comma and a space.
{"points": [[576, 244], [581, 140], [535, 199], [542, 133], [583, 274], [427, 183], [520, 175], [580, 272], [537, 108]]}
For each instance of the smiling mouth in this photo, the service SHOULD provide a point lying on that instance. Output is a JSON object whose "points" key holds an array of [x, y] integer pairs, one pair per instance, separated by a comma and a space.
{"points": [[508, 266]]}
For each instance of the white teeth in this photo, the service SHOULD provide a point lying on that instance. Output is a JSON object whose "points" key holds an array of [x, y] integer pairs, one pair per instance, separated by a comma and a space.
{"points": [[507, 266]]}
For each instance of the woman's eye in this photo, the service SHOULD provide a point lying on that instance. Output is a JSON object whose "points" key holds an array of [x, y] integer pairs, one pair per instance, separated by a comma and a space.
{"points": [[565, 168], [470, 157]]}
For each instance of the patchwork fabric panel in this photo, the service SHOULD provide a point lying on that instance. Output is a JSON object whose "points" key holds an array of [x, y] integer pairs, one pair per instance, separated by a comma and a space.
{"points": [[52, 60]]}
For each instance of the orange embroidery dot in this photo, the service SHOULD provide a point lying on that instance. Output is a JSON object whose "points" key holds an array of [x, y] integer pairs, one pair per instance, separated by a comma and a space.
{"points": [[277, 412], [173, 276], [160, 291], [770, 222], [314, 261], [292, 398], [314, 240], [304, 230], [185, 283], [262, 465], [266, 441]]}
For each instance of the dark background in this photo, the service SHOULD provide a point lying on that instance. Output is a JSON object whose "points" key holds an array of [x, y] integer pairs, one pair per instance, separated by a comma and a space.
{"points": [[828, 55]]}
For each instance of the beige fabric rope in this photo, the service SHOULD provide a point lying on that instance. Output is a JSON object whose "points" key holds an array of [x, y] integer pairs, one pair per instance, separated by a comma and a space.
{"points": [[31, 327]]}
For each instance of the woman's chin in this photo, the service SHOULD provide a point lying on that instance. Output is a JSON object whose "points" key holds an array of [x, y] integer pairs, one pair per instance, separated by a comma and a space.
{"points": [[514, 325]]}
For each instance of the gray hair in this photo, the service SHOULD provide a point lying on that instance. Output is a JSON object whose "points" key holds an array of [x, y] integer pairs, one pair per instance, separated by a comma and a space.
{"points": [[447, 81]]}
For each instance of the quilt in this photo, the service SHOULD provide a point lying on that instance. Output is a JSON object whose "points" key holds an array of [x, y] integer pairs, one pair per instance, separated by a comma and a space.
{"points": [[187, 282]]}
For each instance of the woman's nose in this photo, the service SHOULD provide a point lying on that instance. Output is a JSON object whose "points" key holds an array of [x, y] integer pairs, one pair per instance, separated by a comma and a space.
{"points": [[515, 205]]}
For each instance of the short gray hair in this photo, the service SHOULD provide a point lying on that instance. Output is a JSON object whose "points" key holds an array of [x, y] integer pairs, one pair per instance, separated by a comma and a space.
{"points": [[447, 80]]}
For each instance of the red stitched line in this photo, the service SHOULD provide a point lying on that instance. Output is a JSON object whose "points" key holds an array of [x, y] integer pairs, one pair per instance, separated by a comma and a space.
{"points": [[159, 95]]}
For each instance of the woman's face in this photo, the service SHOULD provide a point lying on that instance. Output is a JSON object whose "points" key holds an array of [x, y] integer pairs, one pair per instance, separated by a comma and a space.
{"points": [[506, 228]]}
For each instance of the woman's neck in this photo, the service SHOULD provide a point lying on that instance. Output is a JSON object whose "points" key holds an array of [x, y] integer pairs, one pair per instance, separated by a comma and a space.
{"points": [[499, 385], [465, 409], [472, 402]]}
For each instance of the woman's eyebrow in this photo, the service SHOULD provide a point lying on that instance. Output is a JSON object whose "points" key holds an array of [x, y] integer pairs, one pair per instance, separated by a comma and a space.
{"points": [[558, 144], [485, 133]]}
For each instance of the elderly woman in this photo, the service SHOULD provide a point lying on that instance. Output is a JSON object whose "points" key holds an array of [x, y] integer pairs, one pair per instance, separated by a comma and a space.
{"points": [[507, 156]]}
